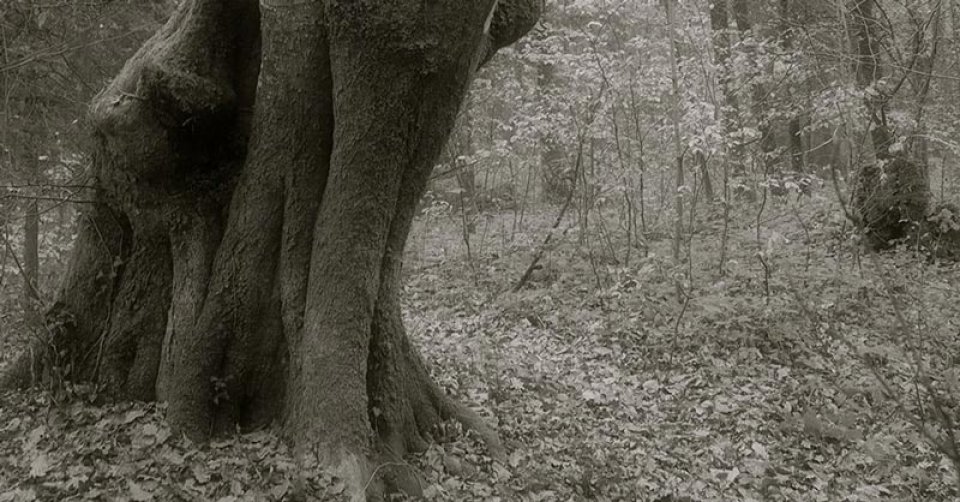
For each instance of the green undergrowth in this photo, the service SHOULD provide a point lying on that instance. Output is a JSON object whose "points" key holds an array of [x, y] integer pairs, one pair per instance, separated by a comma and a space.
{"points": [[804, 372]]}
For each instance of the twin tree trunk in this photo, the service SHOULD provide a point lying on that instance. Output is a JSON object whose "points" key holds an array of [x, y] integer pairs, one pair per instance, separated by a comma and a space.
{"points": [[258, 167]]}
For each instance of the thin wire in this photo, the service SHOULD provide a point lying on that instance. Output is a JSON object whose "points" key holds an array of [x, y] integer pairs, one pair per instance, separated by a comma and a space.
{"points": [[264, 4]]}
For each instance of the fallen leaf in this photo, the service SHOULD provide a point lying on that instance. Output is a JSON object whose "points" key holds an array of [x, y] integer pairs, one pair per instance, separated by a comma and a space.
{"points": [[133, 415], [33, 439], [40, 466], [502, 473], [137, 492], [19, 495], [201, 474], [280, 490]]}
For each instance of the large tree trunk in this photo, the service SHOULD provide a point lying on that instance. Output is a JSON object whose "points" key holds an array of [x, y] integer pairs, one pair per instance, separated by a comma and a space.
{"points": [[256, 183], [892, 193]]}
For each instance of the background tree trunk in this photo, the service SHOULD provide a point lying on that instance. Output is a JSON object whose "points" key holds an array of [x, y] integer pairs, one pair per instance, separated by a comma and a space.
{"points": [[729, 109], [553, 156], [795, 145], [758, 92], [925, 42], [892, 192], [675, 115]]}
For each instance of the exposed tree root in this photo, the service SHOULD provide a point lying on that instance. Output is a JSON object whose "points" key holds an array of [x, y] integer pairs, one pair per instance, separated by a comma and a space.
{"points": [[472, 421], [263, 284], [406, 404]]}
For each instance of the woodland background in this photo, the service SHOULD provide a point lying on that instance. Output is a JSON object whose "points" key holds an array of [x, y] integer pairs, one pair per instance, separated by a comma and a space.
{"points": [[643, 252]]}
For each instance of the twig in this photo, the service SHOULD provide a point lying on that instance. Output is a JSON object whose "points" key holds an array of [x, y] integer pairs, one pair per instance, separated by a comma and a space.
{"points": [[16, 261], [525, 278]]}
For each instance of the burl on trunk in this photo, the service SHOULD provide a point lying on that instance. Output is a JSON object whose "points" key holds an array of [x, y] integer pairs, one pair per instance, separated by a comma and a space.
{"points": [[257, 170]]}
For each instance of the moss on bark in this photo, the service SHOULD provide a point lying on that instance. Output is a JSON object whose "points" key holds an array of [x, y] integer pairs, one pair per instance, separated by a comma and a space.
{"points": [[245, 267]]}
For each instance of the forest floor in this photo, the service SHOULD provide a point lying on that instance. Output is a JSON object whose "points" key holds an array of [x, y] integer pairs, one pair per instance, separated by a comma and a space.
{"points": [[804, 372]]}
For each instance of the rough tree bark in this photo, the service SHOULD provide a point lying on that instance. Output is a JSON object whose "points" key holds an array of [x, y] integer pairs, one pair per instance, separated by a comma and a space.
{"points": [[258, 166]]}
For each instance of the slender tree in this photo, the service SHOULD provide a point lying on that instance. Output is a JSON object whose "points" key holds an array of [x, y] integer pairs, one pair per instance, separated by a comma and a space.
{"points": [[553, 155], [671, 9], [925, 48], [31, 235], [758, 92], [795, 123], [726, 113]]}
